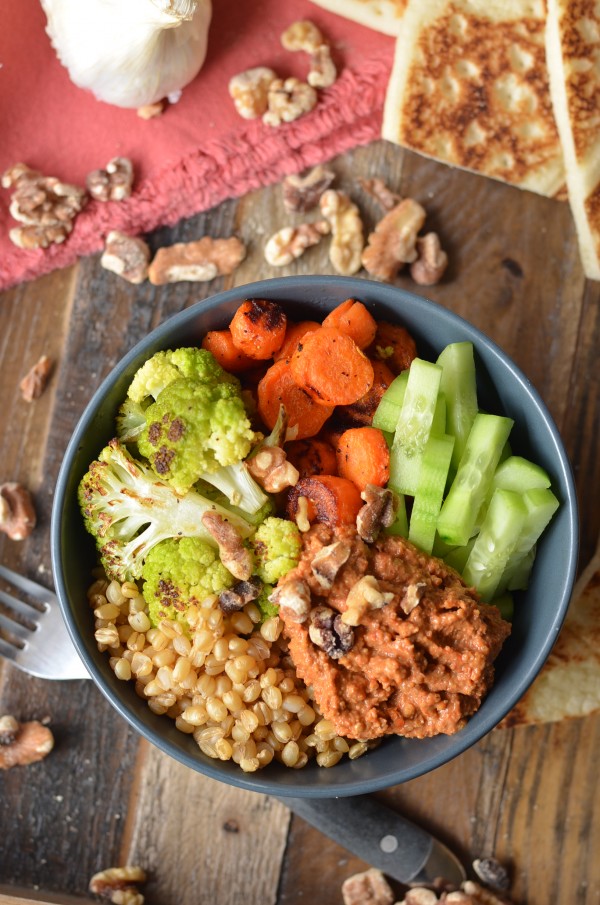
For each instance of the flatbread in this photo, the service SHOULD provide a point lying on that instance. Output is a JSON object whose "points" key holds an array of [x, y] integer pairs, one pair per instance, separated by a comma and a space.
{"points": [[380, 15], [569, 683], [573, 54], [469, 87]]}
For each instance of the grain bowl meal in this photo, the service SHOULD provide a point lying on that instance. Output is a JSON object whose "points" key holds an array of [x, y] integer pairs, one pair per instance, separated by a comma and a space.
{"points": [[309, 536]]}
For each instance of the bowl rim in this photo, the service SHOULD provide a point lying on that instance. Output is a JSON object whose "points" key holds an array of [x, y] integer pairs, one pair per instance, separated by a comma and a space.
{"points": [[259, 782]]}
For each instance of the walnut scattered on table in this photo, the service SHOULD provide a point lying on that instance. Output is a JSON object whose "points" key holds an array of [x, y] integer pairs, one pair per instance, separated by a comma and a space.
{"points": [[301, 192], [291, 242], [23, 743], [347, 240], [197, 261], [288, 99], [119, 885], [36, 380], [127, 256], [249, 91], [17, 512]]}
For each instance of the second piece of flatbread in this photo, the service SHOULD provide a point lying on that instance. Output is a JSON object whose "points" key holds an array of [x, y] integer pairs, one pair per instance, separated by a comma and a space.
{"points": [[469, 87], [573, 53], [381, 15]]}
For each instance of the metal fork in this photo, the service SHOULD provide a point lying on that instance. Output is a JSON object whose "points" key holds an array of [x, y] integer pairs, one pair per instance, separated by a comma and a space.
{"points": [[42, 646]]}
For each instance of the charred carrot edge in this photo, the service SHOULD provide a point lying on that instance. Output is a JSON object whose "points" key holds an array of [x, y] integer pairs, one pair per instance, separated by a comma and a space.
{"points": [[220, 344], [258, 328], [363, 457], [312, 457], [331, 500], [293, 335], [278, 387], [331, 368], [393, 345], [362, 411], [352, 318]]}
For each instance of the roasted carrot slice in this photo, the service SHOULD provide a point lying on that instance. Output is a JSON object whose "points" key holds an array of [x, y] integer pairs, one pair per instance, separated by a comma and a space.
{"points": [[331, 368], [312, 457], [332, 500], [278, 387], [362, 411], [363, 457], [293, 335], [393, 345], [353, 319], [220, 343], [258, 328]]}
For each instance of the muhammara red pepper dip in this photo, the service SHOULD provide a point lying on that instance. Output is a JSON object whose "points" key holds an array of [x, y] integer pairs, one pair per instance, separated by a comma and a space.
{"points": [[391, 640]]}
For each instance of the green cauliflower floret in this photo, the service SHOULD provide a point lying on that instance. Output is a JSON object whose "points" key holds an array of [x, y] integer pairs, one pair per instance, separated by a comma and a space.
{"points": [[128, 511], [131, 421], [179, 572], [193, 429], [277, 545], [165, 367]]}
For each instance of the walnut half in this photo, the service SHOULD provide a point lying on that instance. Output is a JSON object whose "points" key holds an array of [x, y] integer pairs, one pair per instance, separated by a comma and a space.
{"points": [[23, 743], [17, 512]]}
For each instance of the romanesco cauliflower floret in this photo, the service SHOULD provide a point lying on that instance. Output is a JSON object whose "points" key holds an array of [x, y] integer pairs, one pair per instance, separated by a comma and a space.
{"points": [[179, 572], [277, 546], [129, 511], [165, 367], [194, 429]]}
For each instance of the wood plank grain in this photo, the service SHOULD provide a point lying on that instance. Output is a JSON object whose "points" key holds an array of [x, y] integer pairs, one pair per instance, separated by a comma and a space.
{"points": [[199, 837]]}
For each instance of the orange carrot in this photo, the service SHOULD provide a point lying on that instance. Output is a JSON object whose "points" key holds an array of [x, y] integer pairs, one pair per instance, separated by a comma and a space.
{"points": [[293, 335], [363, 457], [312, 457], [353, 319], [258, 328], [362, 411], [331, 368], [220, 343], [277, 387], [332, 500], [394, 345]]}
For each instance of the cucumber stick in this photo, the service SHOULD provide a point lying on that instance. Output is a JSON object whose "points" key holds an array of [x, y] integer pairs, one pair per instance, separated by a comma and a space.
{"points": [[414, 425], [519, 474], [390, 405], [476, 469], [541, 504], [430, 491], [495, 543], [458, 384]]}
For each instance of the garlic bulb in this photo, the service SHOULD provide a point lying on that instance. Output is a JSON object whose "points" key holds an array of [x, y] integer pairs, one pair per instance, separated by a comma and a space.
{"points": [[130, 52]]}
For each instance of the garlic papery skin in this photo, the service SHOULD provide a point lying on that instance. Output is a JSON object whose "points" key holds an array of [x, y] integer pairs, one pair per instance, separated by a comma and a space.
{"points": [[130, 52]]}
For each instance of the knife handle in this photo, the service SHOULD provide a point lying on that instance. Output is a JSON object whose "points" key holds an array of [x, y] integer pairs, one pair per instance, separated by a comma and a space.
{"points": [[380, 837]]}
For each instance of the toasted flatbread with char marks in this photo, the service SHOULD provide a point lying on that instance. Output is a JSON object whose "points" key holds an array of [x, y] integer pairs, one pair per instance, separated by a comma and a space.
{"points": [[380, 15], [469, 87], [573, 54], [569, 682]]}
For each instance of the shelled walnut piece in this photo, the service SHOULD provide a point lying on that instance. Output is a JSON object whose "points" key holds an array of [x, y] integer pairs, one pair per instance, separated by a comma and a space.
{"points": [[43, 205], [347, 231], [291, 242], [36, 380], [288, 99], [249, 91], [431, 263], [304, 35], [113, 183], [301, 192], [127, 256], [198, 261], [394, 240], [17, 512], [119, 885], [23, 743]]}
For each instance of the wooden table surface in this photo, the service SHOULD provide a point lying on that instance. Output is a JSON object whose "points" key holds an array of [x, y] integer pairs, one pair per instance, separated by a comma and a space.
{"points": [[529, 796]]}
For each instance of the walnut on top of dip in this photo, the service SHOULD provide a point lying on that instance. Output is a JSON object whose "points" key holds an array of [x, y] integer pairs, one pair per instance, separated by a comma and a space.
{"points": [[395, 641]]}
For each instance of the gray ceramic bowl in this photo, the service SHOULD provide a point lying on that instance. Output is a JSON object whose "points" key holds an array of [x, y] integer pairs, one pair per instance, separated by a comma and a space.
{"points": [[503, 389]]}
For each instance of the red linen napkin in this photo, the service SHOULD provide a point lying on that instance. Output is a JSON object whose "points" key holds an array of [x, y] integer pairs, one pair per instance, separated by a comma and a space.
{"points": [[200, 151]]}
